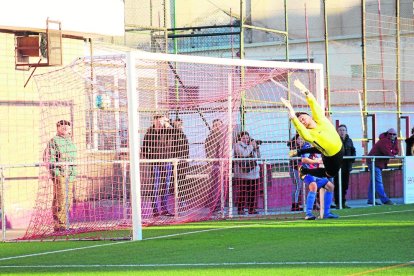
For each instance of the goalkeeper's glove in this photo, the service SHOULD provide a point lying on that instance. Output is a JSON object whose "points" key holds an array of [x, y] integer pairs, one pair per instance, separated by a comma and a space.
{"points": [[293, 153], [302, 88]]}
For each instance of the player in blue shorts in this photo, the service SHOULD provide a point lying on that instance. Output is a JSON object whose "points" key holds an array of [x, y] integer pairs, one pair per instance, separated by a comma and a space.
{"points": [[314, 183], [311, 161]]}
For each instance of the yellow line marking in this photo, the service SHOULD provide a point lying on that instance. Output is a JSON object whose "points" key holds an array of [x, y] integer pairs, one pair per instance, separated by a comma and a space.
{"points": [[382, 268]]}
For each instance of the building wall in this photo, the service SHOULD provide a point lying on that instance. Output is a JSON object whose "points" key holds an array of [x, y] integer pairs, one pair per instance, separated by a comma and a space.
{"points": [[20, 128], [19, 106]]}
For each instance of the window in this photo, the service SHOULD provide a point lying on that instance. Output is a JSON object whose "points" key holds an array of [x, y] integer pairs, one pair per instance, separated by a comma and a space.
{"points": [[106, 118], [373, 71]]}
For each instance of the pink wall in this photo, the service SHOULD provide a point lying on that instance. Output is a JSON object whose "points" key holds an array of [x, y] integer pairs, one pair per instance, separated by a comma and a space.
{"points": [[280, 189]]}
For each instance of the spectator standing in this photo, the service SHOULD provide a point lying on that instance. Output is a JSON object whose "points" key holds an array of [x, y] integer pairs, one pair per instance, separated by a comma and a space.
{"points": [[181, 151], [61, 150], [214, 142], [410, 144], [246, 173], [180, 148], [294, 144], [157, 144], [386, 146], [349, 150], [214, 147]]}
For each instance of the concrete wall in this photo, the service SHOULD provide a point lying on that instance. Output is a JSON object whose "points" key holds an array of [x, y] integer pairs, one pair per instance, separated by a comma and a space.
{"points": [[20, 127]]}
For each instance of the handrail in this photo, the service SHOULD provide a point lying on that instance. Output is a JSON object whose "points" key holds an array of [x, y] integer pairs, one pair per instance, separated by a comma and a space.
{"points": [[172, 160], [124, 164]]}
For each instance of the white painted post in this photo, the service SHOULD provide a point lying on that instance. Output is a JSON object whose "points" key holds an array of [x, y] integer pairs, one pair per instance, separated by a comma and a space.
{"points": [[265, 186], [124, 190], [133, 132], [176, 194], [3, 211], [373, 180], [222, 199], [230, 141], [339, 189]]}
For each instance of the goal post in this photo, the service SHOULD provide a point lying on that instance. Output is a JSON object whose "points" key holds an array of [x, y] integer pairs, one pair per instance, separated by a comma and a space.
{"points": [[156, 138], [133, 126]]}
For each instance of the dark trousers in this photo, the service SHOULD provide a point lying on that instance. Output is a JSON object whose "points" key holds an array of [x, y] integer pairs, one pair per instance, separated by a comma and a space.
{"points": [[161, 174], [246, 195], [214, 198], [182, 184]]}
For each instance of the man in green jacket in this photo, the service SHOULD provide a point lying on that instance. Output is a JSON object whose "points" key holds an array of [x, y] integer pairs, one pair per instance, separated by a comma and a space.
{"points": [[60, 156]]}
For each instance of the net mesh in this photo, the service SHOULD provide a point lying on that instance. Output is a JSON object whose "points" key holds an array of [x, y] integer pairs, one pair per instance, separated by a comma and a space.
{"points": [[191, 115]]}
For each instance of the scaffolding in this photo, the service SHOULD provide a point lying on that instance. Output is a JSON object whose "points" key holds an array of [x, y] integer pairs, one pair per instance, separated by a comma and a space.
{"points": [[375, 84]]}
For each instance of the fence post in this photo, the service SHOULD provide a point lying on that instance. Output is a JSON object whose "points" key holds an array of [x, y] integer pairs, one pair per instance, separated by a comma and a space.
{"points": [[230, 141], [67, 203], [340, 188], [265, 186], [222, 199], [124, 190], [373, 181], [3, 212], [176, 199]]}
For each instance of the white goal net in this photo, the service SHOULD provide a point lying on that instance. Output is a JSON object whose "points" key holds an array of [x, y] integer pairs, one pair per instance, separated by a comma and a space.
{"points": [[190, 113]]}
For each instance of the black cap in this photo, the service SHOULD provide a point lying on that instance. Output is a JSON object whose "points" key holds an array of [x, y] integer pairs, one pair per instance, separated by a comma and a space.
{"points": [[63, 122]]}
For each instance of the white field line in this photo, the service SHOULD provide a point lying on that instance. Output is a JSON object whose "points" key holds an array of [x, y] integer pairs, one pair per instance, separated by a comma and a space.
{"points": [[116, 243], [60, 251], [178, 234], [206, 264], [389, 212]]}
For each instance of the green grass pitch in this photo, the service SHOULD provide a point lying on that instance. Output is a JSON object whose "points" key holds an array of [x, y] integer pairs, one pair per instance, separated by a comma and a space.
{"points": [[365, 241]]}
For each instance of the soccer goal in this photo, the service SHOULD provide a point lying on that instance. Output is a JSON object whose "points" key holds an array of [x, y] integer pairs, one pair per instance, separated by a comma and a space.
{"points": [[154, 138]]}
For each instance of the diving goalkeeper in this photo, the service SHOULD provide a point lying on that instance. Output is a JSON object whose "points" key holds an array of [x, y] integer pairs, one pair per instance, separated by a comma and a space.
{"points": [[320, 132]]}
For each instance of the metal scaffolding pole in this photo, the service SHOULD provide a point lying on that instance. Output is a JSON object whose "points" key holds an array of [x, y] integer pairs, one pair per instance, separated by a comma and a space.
{"points": [[397, 70], [286, 32], [243, 95], [364, 77], [327, 91]]}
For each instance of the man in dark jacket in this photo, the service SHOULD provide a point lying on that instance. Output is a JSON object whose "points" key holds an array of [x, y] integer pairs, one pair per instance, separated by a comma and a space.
{"points": [[410, 144], [346, 168], [181, 151], [386, 146], [180, 147], [157, 145]]}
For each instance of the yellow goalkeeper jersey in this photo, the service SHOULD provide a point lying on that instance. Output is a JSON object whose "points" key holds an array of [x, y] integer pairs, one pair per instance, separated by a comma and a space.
{"points": [[324, 136]]}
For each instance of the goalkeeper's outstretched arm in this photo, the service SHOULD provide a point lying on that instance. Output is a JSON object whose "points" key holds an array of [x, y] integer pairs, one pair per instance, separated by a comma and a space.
{"points": [[301, 129], [318, 113], [302, 88]]}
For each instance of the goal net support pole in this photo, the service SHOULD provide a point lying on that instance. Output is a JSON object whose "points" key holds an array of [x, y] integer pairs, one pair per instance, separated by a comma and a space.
{"points": [[133, 124], [230, 141]]}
